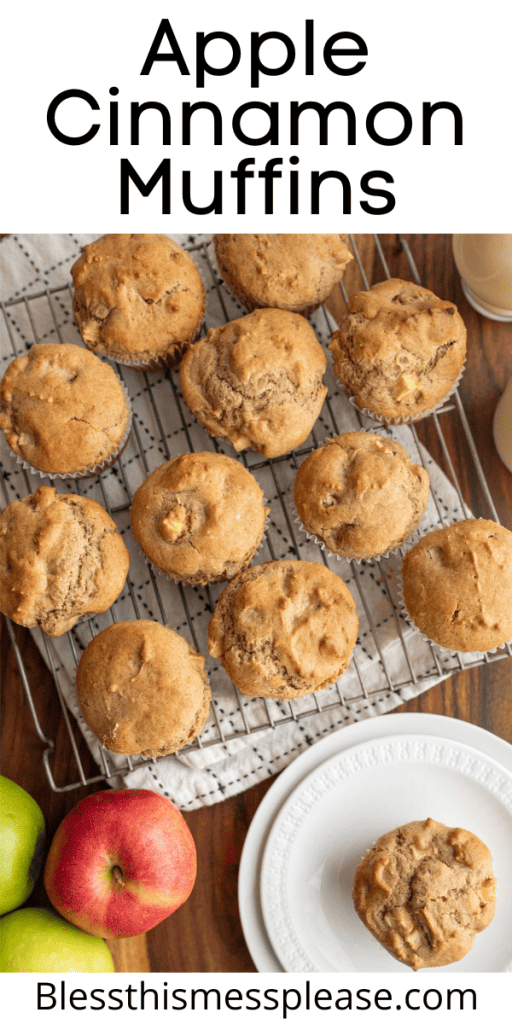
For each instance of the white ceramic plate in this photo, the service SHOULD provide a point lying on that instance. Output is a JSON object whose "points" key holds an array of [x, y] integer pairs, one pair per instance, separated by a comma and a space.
{"points": [[253, 924], [333, 817]]}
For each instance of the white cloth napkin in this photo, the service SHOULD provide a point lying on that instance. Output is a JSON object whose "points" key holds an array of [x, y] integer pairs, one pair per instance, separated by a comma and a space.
{"points": [[252, 749]]}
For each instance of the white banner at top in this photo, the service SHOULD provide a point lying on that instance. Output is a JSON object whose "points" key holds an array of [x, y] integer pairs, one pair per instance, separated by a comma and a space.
{"points": [[199, 118]]}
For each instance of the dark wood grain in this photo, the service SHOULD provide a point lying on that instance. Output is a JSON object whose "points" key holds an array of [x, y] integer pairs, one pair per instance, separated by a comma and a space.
{"points": [[205, 934]]}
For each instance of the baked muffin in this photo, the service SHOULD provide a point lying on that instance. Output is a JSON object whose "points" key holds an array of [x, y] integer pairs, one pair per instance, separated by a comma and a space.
{"points": [[399, 350], [61, 557], [284, 629], [64, 411], [424, 890], [199, 517], [457, 585], [142, 689], [361, 495], [293, 272], [138, 299], [257, 381]]}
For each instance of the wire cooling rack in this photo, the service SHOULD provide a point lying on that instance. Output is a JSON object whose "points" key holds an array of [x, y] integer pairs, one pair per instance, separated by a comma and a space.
{"points": [[152, 442]]}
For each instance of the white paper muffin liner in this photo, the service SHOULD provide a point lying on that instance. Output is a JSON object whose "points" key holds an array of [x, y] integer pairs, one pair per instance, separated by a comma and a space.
{"points": [[395, 421], [438, 647], [400, 548], [84, 474]]}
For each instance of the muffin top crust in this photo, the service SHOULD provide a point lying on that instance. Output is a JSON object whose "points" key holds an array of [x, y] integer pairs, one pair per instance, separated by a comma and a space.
{"points": [[361, 494], [458, 585], [199, 517], [284, 629], [257, 381], [136, 296], [61, 557], [62, 409], [425, 890], [400, 349], [142, 689]]}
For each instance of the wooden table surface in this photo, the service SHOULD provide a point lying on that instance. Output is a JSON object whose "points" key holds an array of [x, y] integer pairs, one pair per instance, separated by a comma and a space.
{"points": [[205, 934]]}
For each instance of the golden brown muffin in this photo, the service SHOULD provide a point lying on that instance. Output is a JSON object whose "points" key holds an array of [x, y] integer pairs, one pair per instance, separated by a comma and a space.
{"points": [[458, 585], [199, 517], [361, 495], [400, 349], [142, 689], [424, 890], [293, 272], [61, 557], [138, 298], [63, 410], [257, 381], [284, 629]]}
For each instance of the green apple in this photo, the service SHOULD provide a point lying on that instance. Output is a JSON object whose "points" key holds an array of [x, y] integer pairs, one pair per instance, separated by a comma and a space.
{"points": [[39, 941], [22, 836]]}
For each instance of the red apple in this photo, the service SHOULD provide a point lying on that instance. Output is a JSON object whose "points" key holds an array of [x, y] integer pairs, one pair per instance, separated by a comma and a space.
{"points": [[120, 862]]}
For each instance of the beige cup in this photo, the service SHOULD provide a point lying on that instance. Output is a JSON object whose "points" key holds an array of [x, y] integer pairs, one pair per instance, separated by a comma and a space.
{"points": [[484, 263]]}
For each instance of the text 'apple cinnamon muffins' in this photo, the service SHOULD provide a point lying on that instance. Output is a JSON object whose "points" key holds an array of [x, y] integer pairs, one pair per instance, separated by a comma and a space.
{"points": [[361, 494], [457, 585], [142, 689], [64, 412], [424, 890], [139, 299], [400, 350], [293, 272], [61, 557], [284, 629], [257, 381], [199, 517]]}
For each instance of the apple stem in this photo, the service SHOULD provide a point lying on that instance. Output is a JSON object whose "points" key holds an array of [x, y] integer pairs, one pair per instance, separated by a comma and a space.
{"points": [[117, 875]]}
